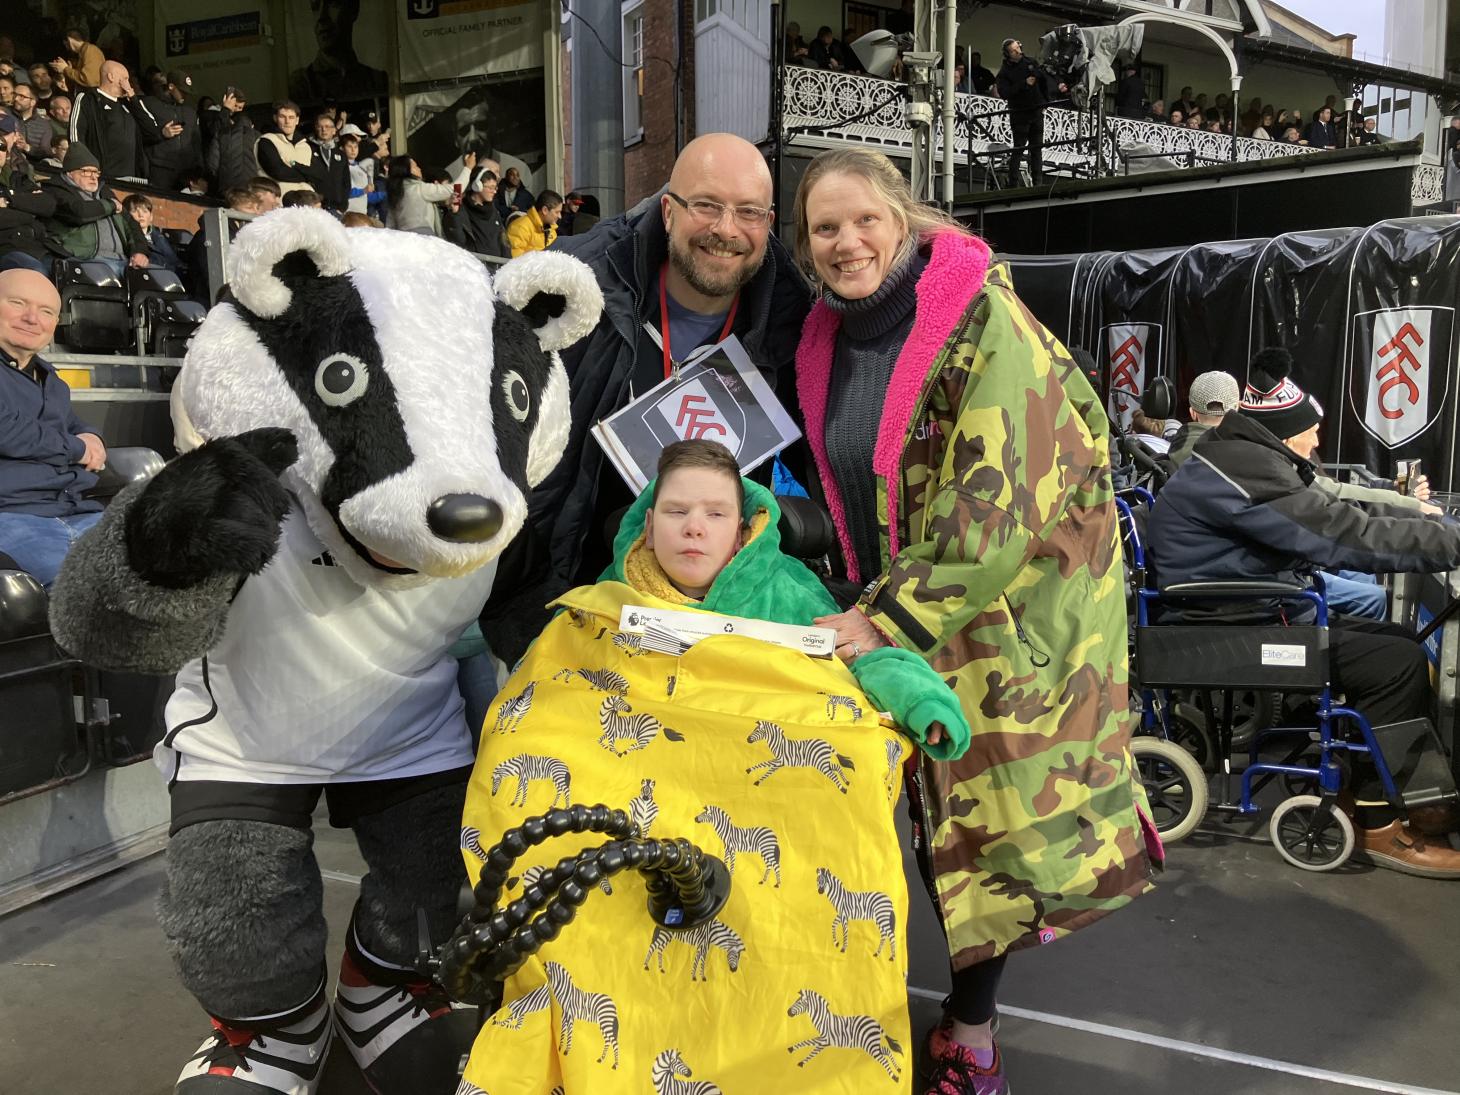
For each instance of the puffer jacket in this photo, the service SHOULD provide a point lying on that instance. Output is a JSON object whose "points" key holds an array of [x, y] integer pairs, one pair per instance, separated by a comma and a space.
{"points": [[1002, 568], [228, 154], [625, 253], [1245, 507]]}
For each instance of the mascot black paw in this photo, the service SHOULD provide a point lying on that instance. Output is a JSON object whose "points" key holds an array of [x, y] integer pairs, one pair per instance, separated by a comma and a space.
{"points": [[369, 413]]}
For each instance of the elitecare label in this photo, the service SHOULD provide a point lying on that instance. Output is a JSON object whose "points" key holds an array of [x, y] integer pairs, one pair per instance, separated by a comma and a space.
{"points": [[1283, 655]]}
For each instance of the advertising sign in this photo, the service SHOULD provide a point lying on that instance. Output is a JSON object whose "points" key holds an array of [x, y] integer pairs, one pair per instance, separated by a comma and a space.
{"points": [[444, 39]]}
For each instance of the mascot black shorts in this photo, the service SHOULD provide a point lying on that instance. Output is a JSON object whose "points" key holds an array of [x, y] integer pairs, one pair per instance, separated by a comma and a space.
{"points": [[292, 804]]}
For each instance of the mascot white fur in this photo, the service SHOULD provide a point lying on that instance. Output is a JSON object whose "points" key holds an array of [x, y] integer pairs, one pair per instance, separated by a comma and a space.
{"points": [[374, 411]]}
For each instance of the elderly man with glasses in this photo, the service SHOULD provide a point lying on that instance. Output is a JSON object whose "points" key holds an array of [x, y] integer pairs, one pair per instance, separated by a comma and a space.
{"points": [[88, 221], [686, 270]]}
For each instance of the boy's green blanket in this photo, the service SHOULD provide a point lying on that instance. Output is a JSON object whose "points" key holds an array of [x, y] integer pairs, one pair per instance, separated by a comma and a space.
{"points": [[764, 583]]}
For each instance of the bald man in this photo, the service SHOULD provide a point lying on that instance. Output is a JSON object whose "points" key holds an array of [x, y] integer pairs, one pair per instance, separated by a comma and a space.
{"points": [[705, 247], [48, 456], [115, 124]]}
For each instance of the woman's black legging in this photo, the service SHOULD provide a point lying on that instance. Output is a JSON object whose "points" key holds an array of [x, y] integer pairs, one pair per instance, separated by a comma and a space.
{"points": [[974, 991]]}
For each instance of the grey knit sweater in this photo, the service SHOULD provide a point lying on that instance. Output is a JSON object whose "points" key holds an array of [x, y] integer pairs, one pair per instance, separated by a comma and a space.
{"points": [[872, 333]]}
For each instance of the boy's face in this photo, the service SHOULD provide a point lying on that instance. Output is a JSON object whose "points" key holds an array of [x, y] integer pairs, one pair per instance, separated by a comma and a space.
{"points": [[694, 528]]}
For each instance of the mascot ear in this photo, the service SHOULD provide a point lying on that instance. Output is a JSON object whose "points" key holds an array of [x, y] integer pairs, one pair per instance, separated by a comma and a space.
{"points": [[557, 293], [286, 243]]}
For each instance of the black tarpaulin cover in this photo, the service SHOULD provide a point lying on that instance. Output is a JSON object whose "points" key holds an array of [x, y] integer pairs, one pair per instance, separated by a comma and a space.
{"points": [[1368, 313]]}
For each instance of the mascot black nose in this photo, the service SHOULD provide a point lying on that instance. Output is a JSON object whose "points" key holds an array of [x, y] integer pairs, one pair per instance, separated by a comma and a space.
{"points": [[464, 518]]}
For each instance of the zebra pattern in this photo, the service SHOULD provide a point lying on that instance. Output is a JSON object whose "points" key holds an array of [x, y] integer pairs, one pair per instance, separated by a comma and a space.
{"points": [[671, 1076], [843, 1032], [631, 645], [713, 933], [643, 809], [758, 841], [836, 703], [599, 680], [529, 769], [513, 710], [471, 841], [894, 766], [669, 684], [578, 1004], [798, 753], [618, 723], [466, 1087], [532, 874], [522, 1007], [850, 905]]}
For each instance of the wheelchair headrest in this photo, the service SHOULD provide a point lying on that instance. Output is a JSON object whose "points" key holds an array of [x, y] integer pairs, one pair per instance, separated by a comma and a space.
{"points": [[1159, 399], [805, 527]]}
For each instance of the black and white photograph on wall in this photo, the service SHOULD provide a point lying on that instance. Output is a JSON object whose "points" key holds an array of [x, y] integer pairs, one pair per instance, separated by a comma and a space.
{"points": [[501, 118], [336, 51]]}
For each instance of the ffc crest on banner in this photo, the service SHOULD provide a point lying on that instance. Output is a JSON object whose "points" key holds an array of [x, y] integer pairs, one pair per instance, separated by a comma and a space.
{"points": [[1129, 347], [1400, 370]]}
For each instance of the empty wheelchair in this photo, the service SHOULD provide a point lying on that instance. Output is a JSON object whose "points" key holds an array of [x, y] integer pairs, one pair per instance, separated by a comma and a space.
{"points": [[1309, 828]]}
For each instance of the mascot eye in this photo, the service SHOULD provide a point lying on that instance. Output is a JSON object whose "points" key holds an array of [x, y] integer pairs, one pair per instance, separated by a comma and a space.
{"points": [[519, 400], [341, 379]]}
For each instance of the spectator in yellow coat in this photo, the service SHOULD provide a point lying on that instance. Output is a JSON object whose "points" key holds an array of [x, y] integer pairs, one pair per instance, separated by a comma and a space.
{"points": [[538, 227]]}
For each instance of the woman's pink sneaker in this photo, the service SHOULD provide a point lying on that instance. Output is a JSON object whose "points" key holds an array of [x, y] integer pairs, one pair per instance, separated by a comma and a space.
{"points": [[956, 1071]]}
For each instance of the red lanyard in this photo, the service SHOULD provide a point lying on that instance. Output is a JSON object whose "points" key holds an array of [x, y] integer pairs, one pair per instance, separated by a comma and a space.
{"points": [[664, 319]]}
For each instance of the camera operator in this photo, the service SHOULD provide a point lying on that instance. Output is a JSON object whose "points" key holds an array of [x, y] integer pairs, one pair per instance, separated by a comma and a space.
{"points": [[1025, 86]]}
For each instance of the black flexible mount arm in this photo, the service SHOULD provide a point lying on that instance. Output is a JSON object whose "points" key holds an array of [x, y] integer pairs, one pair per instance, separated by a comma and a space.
{"points": [[686, 888]]}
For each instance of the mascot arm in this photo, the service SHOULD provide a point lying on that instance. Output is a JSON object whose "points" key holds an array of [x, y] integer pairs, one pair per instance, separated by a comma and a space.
{"points": [[147, 590]]}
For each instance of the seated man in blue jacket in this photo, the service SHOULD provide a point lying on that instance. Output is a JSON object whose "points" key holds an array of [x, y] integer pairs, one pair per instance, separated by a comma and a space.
{"points": [[48, 456], [1244, 507]]}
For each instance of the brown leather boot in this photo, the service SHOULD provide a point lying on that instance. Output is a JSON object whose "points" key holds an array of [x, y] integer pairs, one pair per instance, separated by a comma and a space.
{"points": [[1400, 848]]}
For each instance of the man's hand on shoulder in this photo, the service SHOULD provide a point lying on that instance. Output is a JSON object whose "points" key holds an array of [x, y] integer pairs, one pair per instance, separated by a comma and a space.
{"points": [[94, 459]]}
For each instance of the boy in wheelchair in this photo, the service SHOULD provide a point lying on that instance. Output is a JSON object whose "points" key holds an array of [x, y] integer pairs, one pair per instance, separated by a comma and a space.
{"points": [[1245, 508], [774, 761]]}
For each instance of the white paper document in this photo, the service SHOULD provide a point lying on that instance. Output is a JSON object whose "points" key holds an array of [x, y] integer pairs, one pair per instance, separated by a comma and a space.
{"points": [[673, 632]]}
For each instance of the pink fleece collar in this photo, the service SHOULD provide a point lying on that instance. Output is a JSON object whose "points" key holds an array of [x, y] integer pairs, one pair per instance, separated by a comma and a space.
{"points": [[951, 281]]}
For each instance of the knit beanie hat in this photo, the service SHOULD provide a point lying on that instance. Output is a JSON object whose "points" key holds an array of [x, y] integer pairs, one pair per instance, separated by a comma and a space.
{"points": [[79, 156], [1273, 399]]}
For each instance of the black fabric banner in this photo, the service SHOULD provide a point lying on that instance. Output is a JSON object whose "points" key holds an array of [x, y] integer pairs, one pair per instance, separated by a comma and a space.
{"points": [[1368, 313]]}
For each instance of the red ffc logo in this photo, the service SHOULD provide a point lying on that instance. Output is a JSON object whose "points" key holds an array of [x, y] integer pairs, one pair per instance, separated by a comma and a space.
{"points": [[1399, 377], [1129, 350]]}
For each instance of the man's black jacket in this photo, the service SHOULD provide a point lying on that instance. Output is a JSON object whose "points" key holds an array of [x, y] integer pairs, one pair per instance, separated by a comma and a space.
{"points": [[1015, 88], [626, 253], [116, 131], [22, 219], [1243, 508], [334, 185], [171, 156]]}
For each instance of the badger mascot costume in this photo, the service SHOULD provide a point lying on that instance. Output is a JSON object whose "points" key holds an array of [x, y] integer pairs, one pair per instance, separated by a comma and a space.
{"points": [[373, 411]]}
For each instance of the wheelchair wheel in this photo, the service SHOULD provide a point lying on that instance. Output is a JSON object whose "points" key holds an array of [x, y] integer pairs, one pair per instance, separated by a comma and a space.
{"points": [[1175, 785], [1311, 836]]}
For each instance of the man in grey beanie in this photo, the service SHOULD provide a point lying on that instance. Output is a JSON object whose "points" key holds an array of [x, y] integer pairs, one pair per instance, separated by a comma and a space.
{"points": [[1211, 396]]}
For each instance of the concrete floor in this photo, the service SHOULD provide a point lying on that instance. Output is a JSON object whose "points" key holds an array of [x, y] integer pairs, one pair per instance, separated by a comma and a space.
{"points": [[1235, 959]]}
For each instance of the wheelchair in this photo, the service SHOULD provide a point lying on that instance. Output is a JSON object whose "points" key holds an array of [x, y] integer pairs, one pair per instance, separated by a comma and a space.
{"points": [[1308, 828]]}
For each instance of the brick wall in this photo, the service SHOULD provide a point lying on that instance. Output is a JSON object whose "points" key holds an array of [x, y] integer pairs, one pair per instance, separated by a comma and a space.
{"points": [[647, 164]]}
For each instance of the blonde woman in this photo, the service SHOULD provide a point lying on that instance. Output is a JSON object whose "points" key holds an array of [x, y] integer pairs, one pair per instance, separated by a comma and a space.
{"points": [[979, 522]]}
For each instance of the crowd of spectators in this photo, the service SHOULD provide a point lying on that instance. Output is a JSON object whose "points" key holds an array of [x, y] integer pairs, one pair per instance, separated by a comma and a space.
{"points": [[74, 125]]}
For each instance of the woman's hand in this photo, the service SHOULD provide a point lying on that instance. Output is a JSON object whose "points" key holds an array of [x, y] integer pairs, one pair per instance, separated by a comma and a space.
{"points": [[855, 634]]}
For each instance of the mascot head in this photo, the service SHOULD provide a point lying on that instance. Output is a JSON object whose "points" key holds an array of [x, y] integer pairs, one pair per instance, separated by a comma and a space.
{"points": [[427, 399]]}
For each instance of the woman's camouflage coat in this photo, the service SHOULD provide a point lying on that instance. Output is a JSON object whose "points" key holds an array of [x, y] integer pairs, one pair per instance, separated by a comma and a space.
{"points": [[997, 516]]}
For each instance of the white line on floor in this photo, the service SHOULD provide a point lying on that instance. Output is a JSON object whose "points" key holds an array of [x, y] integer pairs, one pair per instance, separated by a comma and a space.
{"points": [[1364, 1083], [354, 879]]}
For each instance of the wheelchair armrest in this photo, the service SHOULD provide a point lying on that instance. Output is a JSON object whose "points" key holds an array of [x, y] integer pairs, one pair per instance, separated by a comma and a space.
{"points": [[124, 465], [805, 527], [1234, 589]]}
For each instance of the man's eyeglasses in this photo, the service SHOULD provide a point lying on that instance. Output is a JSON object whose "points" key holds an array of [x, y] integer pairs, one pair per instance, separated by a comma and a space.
{"points": [[88, 172], [708, 212]]}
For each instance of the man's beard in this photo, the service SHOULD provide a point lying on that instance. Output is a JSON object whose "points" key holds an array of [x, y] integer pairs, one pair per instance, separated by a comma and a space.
{"points": [[686, 258]]}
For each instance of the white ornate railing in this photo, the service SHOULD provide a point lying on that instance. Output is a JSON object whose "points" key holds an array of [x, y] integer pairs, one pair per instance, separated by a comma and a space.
{"points": [[821, 98], [1428, 187]]}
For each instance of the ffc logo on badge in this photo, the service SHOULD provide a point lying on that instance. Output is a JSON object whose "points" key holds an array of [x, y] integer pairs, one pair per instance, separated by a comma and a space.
{"points": [[1129, 347], [700, 409], [1400, 375]]}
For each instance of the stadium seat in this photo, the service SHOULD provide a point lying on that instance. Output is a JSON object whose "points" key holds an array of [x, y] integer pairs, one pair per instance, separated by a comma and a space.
{"points": [[94, 314], [39, 740], [162, 315]]}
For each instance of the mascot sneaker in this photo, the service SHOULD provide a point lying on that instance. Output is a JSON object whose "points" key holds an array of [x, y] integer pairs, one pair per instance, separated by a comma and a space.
{"points": [[264, 1056], [400, 1028]]}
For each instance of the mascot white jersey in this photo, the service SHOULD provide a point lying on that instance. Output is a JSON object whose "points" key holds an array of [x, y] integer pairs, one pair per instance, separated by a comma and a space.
{"points": [[373, 412]]}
